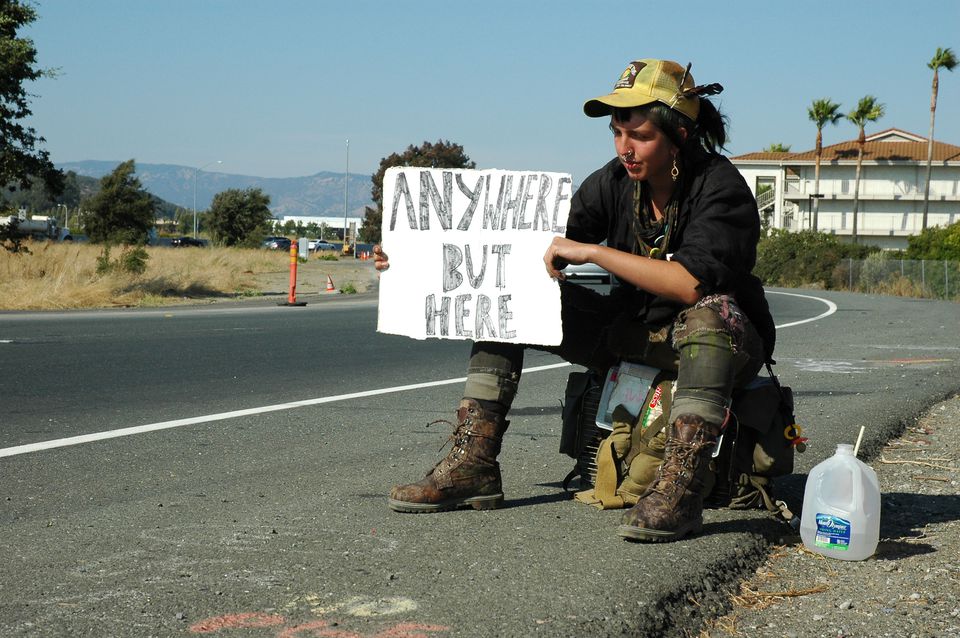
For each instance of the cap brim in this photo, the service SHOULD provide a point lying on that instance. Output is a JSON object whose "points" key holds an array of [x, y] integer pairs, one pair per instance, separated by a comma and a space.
{"points": [[604, 105]]}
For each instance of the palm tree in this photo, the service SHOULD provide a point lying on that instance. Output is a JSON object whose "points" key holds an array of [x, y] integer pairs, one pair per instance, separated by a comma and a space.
{"points": [[943, 59], [868, 110], [777, 147], [821, 113]]}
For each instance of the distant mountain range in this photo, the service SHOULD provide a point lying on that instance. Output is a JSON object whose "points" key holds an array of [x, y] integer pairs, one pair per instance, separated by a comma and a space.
{"points": [[314, 195]]}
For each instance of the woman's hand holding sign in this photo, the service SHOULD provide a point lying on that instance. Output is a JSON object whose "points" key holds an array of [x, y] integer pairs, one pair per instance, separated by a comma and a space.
{"points": [[380, 260]]}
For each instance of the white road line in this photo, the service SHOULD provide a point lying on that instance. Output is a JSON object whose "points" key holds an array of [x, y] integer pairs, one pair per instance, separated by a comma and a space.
{"points": [[166, 425], [831, 307]]}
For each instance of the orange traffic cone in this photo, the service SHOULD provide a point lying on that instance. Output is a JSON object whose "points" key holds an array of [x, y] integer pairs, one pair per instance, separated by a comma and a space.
{"points": [[330, 287]]}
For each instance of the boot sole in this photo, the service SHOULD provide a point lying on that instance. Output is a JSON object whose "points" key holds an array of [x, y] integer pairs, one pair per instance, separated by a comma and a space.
{"points": [[491, 502], [633, 533]]}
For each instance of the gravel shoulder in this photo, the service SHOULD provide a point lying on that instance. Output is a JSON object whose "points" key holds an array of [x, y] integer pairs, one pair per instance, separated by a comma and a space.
{"points": [[312, 277], [347, 275], [909, 588]]}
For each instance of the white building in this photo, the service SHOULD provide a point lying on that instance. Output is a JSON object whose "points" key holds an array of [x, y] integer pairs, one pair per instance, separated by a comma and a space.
{"points": [[891, 187], [335, 224]]}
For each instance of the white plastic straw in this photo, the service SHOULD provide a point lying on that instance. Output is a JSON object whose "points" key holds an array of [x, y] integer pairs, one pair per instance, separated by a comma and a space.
{"points": [[859, 437]]}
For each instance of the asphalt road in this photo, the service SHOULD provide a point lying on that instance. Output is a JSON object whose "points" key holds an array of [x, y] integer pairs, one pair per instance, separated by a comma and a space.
{"points": [[247, 497]]}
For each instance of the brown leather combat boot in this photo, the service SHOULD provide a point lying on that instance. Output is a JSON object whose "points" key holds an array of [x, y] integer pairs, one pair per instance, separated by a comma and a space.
{"points": [[468, 476], [672, 506]]}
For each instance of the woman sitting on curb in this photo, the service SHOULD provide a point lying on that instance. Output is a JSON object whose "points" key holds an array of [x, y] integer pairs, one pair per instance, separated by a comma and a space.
{"points": [[681, 228]]}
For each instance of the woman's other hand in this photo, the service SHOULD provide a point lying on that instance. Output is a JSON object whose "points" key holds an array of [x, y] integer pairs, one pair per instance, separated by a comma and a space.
{"points": [[380, 260], [564, 252]]}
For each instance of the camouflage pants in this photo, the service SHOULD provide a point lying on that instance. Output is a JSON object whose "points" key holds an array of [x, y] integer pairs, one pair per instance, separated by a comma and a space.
{"points": [[712, 347]]}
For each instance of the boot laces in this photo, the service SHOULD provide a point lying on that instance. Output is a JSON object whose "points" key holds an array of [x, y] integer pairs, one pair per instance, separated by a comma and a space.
{"points": [[460, 436], [675, 474], [457, 438]]}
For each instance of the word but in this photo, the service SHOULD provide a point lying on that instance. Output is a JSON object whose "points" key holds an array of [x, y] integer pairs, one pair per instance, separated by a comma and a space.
{"points": [[484, 326]]}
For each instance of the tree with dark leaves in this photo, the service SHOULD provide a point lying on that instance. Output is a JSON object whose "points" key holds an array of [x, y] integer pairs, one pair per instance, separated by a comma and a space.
{"points": [[122, 211], [239, 217], [442, 154], [21, 159]]}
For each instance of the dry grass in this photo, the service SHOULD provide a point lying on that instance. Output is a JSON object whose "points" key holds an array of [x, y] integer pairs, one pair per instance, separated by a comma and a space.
{"points": [[773, 583], [64, 275], [900, 287]]}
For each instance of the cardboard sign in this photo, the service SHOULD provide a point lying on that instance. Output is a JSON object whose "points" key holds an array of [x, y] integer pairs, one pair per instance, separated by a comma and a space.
{"points": [[466, 254]]}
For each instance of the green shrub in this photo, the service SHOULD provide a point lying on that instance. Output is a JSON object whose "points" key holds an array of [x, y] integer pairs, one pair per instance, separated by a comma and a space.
{"points": [[103, 261], [941, 243], [804, 258], [875, 272], [348, 289], [792, 259], [10, 239], [132, 260]]}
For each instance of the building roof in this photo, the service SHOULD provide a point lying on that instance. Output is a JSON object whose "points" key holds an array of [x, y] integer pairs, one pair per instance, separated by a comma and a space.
{"points": [[891, 145], [763, 156]]}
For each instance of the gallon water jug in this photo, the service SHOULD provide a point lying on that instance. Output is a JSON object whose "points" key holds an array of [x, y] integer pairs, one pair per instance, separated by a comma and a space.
{"points": [[841, 507]]}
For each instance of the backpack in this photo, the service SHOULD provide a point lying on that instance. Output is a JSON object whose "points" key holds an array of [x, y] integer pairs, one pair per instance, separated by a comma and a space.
{"points": [[757, 444]]}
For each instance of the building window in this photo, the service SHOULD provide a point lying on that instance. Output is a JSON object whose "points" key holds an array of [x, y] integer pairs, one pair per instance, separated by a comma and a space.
{"points": [[764, 184]]}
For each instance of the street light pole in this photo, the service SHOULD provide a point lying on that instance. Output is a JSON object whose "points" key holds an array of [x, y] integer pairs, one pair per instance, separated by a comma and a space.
{"points": [[346, 181], [196, 174]]}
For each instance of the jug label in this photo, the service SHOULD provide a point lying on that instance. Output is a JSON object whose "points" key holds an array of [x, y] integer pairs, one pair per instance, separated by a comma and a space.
{"points": [[833, 532]]}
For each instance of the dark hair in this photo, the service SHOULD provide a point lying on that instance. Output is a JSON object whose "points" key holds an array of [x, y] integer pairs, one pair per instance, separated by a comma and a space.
{"points": [[708, 133]]}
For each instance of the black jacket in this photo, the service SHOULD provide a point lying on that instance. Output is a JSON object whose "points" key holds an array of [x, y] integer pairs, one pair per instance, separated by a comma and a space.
{"points": [[718, 227]]}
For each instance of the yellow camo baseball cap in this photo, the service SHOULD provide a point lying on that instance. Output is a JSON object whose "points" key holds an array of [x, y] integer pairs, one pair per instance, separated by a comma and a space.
{"points": [[646, 81]]}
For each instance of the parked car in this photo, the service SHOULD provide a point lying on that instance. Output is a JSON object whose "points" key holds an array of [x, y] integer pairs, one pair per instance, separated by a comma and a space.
{"points": [[277, 243], [182, 242], [590, 276], [317, 244]]}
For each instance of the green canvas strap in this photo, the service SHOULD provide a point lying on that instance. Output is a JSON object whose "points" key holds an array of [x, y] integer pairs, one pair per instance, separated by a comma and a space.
{"points": [[604, 493], [780, 510]]}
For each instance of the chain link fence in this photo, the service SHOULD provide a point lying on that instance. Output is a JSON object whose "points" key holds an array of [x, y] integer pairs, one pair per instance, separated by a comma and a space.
{"points": [[905, 277]]}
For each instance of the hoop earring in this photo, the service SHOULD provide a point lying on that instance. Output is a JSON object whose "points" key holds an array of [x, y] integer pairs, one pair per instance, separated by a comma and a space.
{"points": [[675, 171]]}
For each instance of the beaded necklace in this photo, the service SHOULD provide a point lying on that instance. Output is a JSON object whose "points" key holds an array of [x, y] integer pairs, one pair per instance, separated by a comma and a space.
{"points": [[652, 236]]}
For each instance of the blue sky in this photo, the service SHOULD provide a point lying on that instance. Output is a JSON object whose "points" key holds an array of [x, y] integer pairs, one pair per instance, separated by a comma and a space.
{"points": [[274, 89]]}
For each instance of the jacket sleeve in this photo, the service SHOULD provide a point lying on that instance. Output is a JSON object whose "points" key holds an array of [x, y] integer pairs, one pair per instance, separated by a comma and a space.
{"points": [[719, 244], [590, 208]]}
